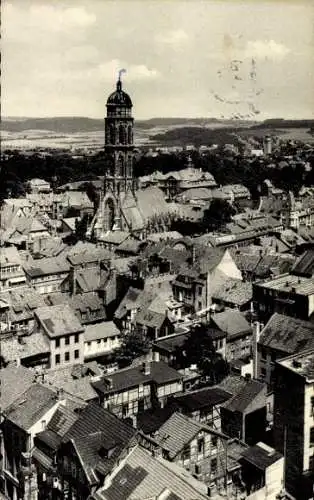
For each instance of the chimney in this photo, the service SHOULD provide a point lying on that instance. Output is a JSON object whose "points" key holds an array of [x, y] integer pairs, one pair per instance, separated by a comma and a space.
{"points": [[60, 394], [193, 255], [146, 368], [72, 280]]}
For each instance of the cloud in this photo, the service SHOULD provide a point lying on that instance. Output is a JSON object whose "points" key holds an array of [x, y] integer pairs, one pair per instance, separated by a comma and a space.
{"points": [[135, 72], [262, 49], [20, 23], [174, 38]]}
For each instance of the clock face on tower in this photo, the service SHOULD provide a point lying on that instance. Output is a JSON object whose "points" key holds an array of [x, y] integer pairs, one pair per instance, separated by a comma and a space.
{"points": [[119, 141]]}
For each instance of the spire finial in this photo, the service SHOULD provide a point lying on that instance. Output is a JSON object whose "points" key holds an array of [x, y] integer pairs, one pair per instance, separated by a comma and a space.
{"points": [[119, 83]]}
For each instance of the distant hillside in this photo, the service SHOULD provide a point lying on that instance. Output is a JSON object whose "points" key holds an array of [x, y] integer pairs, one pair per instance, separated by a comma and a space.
{"points": [[197, 136], [59, 124], [282, 123], [68, 125], [82, 124]]}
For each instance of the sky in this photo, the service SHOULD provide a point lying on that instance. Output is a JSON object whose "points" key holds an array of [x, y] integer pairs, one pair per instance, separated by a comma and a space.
{"points": [[192, 58]]}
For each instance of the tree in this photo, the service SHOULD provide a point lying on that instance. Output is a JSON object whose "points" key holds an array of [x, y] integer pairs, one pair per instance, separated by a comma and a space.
{"points": [[133, 345], [200, 350], [217, 215], [92, 193], [81, 227]]}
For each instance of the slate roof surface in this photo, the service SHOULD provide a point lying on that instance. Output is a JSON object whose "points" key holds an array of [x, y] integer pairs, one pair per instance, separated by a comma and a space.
{"points": [[172, 342], [31, 406], [245, 396], [72, 381], [95, 428], [149, 421], [149, 318], [128, 302], [121, 380], [92, 279], [232, 322], [115, 237], [58, 320], [15, 380], [87, 255], [287, 334], [23, 302], [232, 384], [178, 431], [81, 303], [203, 398], [235, 292], [31, 345], [304, 266], [103, 330], [261, 455], [46, 266], [143, 476]]}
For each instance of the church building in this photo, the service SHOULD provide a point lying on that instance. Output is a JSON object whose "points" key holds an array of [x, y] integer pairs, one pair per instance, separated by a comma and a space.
{"points": [[123, 206]]}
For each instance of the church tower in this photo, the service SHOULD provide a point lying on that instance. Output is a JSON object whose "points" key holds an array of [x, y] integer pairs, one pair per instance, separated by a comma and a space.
{"points": [[119, 143]]}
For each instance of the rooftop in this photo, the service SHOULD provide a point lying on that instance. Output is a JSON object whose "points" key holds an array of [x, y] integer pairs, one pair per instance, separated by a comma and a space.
{"points": [[290, 283], [58, 320], [10, 390], [178, 431], [286, 334], [232, 322], [245, 396], [143, 476], [130, 377], [235, 292], [261, 456], [203, 398], [301, 364], [102, 330], [31, 406]]}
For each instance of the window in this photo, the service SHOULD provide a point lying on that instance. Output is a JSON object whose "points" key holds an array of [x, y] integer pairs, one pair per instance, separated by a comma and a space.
{"points": [[98, 341], [57, 359], [312, 406], [263, 372], [76, 354], [67, 340], [57, 343], [263, 353], [67, 356], [125, 409], [76, 338], [186, 452], [273, 357], [311, 463], [312, 436], [213, 466], [200, 444], [214, 441], [197, 470]]}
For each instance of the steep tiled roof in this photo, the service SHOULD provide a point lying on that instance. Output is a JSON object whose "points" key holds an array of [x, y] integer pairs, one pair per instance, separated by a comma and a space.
{"points": [[287, 334], [178, 431], [149, 318], [61, 421], [81, 303], [232, 322], [133, 299], [304, 266], [10, 389], [232, 384], [30, 345], [235, 292], [45, 266], [58, 320], [31, 406], [143, 476], [240, 401], [115, 237], [96, 428]]}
